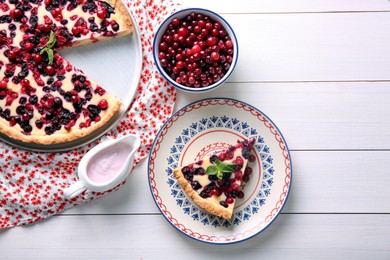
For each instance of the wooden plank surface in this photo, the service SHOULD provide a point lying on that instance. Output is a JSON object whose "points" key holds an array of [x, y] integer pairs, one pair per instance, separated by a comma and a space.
{"points": [[280, 6], [150, 237], [320, 70], [323, 182], [312, 47]]}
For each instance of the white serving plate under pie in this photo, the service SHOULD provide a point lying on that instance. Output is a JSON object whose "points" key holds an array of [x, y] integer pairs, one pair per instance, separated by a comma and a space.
{"points": [[200, 129], [114, 64]]}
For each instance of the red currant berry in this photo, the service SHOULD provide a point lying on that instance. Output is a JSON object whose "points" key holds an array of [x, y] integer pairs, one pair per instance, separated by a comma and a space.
{"points": [[191, 80], [215, 192], [202, 23], [56, 12], [46, 28], [103, 104], [218, 26], [229, 200], [101, 13], [163, 46], [50, 70], [229, 44], [204, 32], [195, 49], [76, 30], [235, 186], [214, 56], [180, 64], [162, 55], [211, 41], [68, 127], [12, 54], [239, 160], [3, 84], [248, 170], [25, 83], [25, 117], [37, 57], [16, 13], [28, 46], [176, 22], [182, 31]]}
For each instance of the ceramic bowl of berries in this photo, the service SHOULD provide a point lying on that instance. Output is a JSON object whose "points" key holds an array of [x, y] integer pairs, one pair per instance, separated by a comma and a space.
{"points": [[195, 50]]}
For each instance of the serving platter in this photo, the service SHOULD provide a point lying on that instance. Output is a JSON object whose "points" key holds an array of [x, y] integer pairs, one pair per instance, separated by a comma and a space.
{"points": [[116, 65], [205, 127]]}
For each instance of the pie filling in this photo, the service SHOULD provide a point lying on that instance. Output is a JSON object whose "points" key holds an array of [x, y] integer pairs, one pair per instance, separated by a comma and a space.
{"points": [[40, 92], [221, 187]]}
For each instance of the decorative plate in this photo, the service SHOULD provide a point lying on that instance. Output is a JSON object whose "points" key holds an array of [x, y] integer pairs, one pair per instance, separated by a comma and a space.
{"points": [[205, 127], [116, 65]]}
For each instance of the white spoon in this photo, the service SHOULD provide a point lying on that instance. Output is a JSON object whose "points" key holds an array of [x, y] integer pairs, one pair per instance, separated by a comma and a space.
{"points": [[105, 166]]}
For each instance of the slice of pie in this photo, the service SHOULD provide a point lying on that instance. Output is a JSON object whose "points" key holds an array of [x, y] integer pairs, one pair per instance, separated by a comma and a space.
{"points": [[214, 182], [43, 98]]}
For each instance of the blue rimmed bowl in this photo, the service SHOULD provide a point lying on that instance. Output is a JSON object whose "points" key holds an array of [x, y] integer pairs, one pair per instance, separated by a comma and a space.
{"points": [[181, 15]]}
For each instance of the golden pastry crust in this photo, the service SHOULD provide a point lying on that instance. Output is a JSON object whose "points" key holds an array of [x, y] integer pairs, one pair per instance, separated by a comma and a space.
{"points": [[72, 135], [207, 205]]}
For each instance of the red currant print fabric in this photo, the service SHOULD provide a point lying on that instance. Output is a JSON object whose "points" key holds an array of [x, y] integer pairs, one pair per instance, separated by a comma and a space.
{"points": [[32, 184]]}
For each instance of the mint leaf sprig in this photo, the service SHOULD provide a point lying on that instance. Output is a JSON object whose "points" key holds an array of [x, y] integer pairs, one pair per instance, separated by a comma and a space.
{"points": [[219, 168], [48, 49]]}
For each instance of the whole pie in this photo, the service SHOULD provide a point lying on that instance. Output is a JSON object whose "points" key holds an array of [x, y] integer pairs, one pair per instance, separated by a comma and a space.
{"points": [[44, 99], [214, 183]]}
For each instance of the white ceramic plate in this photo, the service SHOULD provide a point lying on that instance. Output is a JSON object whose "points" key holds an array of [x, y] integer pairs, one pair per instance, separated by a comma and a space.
{"points": [[202, 128], [114, 64]]}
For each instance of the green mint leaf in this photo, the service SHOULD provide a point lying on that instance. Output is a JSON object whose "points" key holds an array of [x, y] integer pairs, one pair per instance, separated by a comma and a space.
{"points": [[220, 175], [52, 40], [49, 46], [228, 168], [212, 170], [217, 162], [50, 55], [43, 50]]}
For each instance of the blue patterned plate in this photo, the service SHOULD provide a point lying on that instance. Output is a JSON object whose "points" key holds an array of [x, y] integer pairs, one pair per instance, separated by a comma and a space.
{"points": [[200, 129]]}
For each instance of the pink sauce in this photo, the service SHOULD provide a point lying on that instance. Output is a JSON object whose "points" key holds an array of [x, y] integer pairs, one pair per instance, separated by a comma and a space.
{"points": [[107, 164]]}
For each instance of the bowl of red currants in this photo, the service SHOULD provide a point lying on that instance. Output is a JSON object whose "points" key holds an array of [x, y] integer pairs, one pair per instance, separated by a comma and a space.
{"points": [[195, 50]]}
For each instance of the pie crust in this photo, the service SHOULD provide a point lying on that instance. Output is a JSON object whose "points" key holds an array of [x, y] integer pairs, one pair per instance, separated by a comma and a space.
{"points": [[58, 135], [212, 203]]}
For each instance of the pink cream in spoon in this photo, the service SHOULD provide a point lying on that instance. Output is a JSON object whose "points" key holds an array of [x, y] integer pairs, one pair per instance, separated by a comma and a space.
{"points": [[107, 164]]}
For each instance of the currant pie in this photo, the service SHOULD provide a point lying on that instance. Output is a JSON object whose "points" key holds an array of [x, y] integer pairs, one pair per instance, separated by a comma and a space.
{"points": [[44, 99], [214, 182]]}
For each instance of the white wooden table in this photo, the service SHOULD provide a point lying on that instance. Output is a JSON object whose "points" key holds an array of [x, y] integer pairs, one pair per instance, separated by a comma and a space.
{"points": [[321, 71]]}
